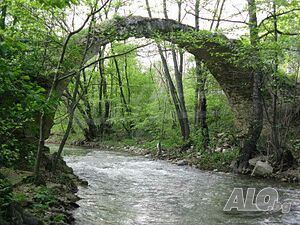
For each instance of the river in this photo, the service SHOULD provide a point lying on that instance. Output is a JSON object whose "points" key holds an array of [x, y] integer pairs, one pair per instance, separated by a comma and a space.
{"points": [[132, 190]]}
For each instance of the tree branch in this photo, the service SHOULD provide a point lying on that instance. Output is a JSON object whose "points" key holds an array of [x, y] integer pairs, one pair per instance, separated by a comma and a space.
{"points": [[277, 15], [100, 59]]}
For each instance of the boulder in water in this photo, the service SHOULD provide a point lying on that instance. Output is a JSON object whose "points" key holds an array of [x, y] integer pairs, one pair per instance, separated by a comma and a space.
{"points": [[182, 162], [262, 169]]}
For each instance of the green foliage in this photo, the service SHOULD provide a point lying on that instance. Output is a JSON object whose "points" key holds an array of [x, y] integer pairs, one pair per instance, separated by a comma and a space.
{"points": [[57, 3], [197, 140], [218, 160], [5, 196], [24, 76], [20, 100], [220, 117], [58, 218], [44, 196], [19, 197], [295, 146]]}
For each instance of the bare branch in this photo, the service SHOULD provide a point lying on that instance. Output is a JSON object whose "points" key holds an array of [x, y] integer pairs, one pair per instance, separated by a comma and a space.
{"points": [[216, 20], [100, 59], [277, 15]]}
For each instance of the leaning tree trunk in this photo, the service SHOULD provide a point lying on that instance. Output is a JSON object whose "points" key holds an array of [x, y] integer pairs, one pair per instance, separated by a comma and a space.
{"points": [[70, 123], [180, 116]]}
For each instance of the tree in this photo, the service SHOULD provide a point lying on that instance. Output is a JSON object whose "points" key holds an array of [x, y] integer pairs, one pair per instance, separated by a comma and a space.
{"points": [[256, 124], [176, 94], [54, 85]]}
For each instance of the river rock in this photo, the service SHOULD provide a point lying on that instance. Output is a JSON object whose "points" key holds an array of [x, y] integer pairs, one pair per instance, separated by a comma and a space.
{"points": [[292, 174], [253, 161], [83, 183], [148, 156], [219, 135], [218, 149], [224, 150], [72, 197], [233, 164], [284, 179], [182, 162], [262, 169], [54, 186], [226, 145]]}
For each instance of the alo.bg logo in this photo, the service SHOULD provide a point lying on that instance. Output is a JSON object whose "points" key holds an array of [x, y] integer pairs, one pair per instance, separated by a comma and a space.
{"points": [[266, 199]]}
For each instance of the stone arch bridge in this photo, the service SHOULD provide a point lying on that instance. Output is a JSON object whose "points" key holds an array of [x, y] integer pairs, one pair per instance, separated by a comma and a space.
{"points": [[220, 54]]}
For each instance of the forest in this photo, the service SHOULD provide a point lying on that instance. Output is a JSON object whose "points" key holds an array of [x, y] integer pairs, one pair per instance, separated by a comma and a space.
{"points": [[213, 84]]}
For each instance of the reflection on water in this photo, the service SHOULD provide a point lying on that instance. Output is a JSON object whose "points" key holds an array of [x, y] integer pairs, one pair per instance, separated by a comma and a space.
{"points": [[126, 189]]}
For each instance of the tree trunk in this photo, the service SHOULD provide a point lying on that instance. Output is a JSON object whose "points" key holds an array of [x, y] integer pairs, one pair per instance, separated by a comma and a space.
{"points": [[178, 73], [200, 92], [74, 103], [91, 132], [3, 15], [103, 97], [177, 95], [127, 80], [256, 124], [178, 77], [275, 131], [124, 102], [200, 104], [182, 121]]}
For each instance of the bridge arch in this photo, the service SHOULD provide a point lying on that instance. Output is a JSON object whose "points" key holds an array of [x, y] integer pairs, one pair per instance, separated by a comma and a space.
{"points": [[220, 54]]}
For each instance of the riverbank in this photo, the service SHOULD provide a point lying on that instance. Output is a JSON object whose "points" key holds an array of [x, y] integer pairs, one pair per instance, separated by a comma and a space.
{"points": [[50, 203], [218, 161]]}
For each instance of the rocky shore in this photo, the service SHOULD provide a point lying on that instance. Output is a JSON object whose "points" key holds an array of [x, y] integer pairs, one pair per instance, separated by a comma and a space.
{"points": [[50, 203]]}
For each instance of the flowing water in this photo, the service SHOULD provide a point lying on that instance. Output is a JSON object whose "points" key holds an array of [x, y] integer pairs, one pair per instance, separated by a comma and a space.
{"points": [[125, 189]]}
